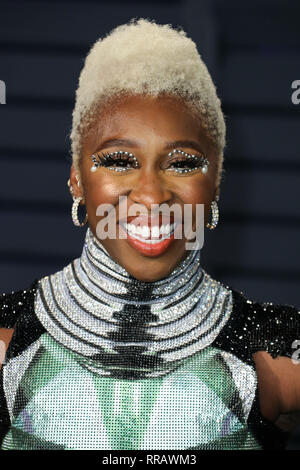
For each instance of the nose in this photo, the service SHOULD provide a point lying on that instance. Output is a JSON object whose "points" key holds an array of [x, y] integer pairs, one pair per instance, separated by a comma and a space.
{"points": [[150, 188]]}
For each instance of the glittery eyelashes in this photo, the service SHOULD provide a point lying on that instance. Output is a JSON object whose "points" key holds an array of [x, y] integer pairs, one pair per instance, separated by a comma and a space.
{"points": [[190, 161], [195, 162], [110, 159]]}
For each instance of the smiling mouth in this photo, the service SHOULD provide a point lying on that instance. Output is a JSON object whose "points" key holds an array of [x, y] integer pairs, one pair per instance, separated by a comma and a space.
{"points": [[150, 235]]}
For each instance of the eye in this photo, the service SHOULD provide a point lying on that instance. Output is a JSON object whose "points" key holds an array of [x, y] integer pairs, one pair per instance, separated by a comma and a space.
{"points": [[116, 161], [184, 162]]}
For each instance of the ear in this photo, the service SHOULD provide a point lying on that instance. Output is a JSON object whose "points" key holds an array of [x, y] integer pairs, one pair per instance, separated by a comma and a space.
{"points": [[75, 183]]}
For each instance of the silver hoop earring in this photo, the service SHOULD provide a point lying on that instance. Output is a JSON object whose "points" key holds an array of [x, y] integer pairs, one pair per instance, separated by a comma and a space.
{"points": [[215, 216], [75, 212]]}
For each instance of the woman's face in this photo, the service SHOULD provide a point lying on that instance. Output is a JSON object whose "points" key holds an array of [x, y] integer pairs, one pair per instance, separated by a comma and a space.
{"points": [[145, 126]]}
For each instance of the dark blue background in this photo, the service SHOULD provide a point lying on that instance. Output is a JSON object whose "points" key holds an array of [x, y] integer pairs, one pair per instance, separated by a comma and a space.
{"points": [[252, 49]]}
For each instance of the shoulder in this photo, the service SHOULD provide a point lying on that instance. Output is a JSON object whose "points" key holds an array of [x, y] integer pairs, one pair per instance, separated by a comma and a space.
{"points": [[18, 313], [261, 326], [271, 327], [13, 304]]}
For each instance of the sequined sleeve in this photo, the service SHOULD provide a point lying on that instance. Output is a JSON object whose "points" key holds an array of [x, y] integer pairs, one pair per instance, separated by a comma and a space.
{"points": [[276, 329], [12, 305], [255, 326]]}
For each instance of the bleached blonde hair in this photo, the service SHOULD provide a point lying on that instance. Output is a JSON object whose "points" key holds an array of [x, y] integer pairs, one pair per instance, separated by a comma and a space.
{"points": [[145, 57]]}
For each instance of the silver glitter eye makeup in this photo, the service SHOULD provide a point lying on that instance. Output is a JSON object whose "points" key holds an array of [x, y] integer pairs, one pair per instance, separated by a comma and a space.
{"points": [[120, 159], [186, 162]]}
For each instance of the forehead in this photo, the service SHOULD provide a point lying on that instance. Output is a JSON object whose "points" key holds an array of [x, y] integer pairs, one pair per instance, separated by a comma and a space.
{"points": [[144, 115]]}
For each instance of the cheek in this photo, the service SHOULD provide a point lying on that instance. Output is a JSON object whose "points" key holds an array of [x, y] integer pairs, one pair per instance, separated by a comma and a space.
{"points": [[196, 192], [103, 190]]}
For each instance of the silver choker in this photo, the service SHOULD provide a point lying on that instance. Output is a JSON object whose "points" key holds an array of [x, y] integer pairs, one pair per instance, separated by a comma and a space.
{"points": [[119, 326]]}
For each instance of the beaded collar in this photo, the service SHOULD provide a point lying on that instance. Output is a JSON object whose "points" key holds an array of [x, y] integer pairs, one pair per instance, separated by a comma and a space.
{"points": [[123, 327]]}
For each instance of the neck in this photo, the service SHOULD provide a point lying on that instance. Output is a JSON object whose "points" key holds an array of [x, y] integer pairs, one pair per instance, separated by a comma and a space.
{"points": [[102, 270], [120, 326]]}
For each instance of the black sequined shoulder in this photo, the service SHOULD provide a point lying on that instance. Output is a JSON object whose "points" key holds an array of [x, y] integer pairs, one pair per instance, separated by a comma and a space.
{"points": [[255, 326], [18, 313], [13, 304]]}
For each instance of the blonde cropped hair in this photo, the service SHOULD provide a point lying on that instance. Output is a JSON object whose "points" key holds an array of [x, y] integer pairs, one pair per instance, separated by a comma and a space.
{"points": [[145, 57]]}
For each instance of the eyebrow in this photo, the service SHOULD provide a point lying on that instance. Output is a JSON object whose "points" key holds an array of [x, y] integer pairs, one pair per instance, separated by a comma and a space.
{"points": [[134, 144]]}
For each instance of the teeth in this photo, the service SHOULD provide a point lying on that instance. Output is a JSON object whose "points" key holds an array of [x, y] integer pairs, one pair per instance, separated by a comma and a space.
{"points": [[143, 233], [132, 228], [155, 232]]}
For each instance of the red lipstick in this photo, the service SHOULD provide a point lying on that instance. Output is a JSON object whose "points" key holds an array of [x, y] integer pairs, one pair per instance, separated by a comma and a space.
{"points": [[150, 249], [153, 245]]}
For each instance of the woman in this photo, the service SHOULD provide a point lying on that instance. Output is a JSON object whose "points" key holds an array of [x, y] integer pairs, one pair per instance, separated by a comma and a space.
{"points": [[133, 345]]}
